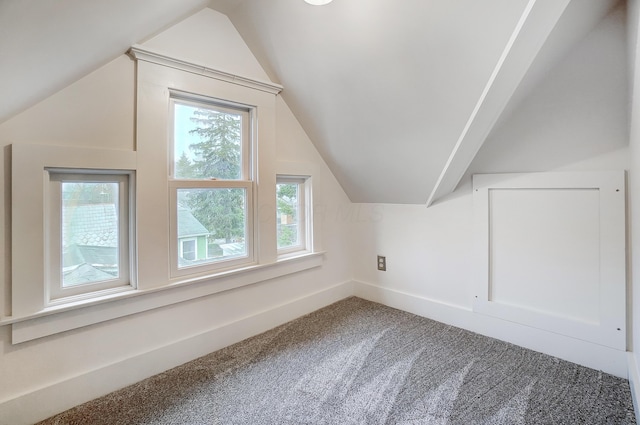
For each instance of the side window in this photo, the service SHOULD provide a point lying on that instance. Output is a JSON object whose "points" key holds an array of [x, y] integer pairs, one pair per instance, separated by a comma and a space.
{"points": [[291, 214], [88, 233], [211, 186]]}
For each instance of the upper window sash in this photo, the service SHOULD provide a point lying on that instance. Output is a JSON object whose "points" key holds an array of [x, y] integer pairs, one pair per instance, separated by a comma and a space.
{"points": [[189, 114]]}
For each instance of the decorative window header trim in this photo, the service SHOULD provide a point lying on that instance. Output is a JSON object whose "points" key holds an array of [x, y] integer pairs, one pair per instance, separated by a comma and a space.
{"points": [[138, 52]]}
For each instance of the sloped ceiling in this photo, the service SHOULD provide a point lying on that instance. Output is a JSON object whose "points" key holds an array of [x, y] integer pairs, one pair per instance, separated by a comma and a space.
{"points": [[398, 96], [47, 44]]}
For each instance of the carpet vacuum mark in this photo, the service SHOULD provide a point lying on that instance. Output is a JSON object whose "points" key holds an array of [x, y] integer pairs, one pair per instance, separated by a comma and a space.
{"points": [[358, 362]]}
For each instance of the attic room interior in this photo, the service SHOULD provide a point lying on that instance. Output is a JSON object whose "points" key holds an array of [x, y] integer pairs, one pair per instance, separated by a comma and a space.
{"points": [[374, 185]]}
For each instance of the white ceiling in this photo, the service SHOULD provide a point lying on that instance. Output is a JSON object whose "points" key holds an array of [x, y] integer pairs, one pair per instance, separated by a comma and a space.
{"points": [[397, 96], [47, 44], [382, 88]]}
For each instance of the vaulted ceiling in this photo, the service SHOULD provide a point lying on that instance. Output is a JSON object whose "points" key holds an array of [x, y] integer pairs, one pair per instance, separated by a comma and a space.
{"points": [[46, 45], [397, 96]]}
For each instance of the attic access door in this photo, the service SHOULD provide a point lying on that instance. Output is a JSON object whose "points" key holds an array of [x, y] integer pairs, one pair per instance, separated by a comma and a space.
{"points": [[551, 252]]}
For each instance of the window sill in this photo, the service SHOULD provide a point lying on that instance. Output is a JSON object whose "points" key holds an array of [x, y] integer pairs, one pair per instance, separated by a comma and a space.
{"points": [[60, 318], [292, 255]]}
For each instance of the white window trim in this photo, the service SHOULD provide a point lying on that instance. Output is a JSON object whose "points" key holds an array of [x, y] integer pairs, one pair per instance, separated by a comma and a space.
{"points": [[56, 294], [304, 187], [56, 319], [30, 181], [156, 85], [313, 216], [248, 147], [195, 100], [214, 266], [142, 53], [30, 318]]}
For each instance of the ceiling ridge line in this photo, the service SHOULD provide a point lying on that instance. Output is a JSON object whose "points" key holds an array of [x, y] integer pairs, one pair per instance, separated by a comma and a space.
{"points": [[483, 96], [440, 189]]}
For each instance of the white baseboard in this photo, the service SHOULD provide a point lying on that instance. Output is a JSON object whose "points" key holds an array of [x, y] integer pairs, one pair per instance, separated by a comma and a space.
{"points": [[55, 398], [574, 350], [634, 383]]}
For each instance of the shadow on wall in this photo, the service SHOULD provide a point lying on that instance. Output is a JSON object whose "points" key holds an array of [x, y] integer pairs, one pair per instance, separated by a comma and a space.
{"points": [[578, 112]]}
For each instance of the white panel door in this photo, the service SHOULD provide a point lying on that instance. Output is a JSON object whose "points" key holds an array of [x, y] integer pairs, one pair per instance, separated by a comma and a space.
{"points": [[551, 252]]}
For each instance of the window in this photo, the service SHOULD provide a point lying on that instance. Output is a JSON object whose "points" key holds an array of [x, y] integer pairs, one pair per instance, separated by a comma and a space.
{"points": [[211, 185], [88, 233], [188, 249], [291, 214], [216, 252]]}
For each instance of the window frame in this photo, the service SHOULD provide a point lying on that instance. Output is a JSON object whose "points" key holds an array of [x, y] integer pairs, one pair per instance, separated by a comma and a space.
{"points": [[216, 265], [152, 285], [304, 230], [177, 97], [246, 182], [55, 292], [29, 209]]}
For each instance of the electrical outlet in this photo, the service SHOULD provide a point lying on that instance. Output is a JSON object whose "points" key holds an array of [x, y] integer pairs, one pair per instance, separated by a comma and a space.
{"points": [[382, 263]]}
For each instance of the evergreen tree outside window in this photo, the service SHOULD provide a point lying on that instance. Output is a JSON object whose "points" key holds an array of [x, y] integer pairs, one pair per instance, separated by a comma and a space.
{"points": [[211, 185], [208, 142]]}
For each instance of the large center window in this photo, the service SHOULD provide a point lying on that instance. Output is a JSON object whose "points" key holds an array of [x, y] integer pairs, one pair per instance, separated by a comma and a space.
{"points": [[211, 185]]}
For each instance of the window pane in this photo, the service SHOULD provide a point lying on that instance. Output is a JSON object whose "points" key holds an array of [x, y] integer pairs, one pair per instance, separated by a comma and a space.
{"points": [[89, 232], [214, 221], [287, 215], [207, 143], [189, 251]]}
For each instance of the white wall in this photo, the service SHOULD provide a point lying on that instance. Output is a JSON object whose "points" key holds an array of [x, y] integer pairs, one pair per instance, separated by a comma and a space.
{"points": [[634, 197], [576, 119], [98, 111]]}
